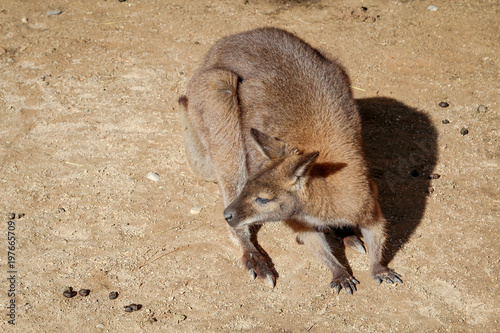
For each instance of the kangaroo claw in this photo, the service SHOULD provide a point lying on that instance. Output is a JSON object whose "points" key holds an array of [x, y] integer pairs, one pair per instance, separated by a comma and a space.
{"points": [[257, 266], [388, 275], [347, 282]]}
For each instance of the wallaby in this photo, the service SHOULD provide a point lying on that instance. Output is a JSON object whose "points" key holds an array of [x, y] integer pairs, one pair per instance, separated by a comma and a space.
{"points": [[273, 121]]}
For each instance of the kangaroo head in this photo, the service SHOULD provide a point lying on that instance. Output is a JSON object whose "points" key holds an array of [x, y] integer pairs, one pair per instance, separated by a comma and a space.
{"points": [[273, 194]]}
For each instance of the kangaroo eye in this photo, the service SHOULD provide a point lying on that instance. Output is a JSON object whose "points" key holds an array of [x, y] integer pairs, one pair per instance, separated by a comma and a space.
{"points": [[262, 201]]}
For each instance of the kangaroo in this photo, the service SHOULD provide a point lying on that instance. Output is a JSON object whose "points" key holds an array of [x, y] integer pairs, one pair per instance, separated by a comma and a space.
{"points": [[273, 121]]}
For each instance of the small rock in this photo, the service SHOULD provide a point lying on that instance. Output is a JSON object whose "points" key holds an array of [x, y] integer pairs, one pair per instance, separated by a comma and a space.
{"points": [[61, 210], [444, 104], [153, 176], [482, 109], [432, 8], [434, 176], [20, 216], [414, 173], [445, 121], [464, 131], [128, 308], [84, 292], [179, 317], [195, 210], [122, 0], [24, 20], [99, 326], [69, 293], [54, 12], [11, 216], [113, 295]]}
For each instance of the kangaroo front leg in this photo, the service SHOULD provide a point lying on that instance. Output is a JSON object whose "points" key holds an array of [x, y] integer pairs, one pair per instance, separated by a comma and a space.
{"points": [[316, 241], [374, 236], [254, 258]]}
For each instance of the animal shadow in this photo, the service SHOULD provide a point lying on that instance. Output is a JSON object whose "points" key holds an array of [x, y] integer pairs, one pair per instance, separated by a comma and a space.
{"points": [[400, 145]]}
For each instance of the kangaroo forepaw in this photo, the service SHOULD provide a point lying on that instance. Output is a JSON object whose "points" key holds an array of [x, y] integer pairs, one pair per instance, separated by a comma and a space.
{"points": [[388, 275], [258, 267], [345, 281]]}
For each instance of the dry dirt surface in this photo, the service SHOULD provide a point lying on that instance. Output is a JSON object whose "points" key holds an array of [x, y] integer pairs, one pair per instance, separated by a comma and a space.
{"points": [[88, 107]]}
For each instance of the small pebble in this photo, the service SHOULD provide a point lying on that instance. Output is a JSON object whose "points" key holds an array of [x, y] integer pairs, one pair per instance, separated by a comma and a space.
{"points": [[464, 131], [432, 8], [153, 176], [99, 326], [128, 308], [54, 12], [434, 176], [414, 173], [445, 121], [69, 293], [84, 292], [24, 20], [113, 295], [122, 0], [482, 109], [195, 210], [12, 216], [61, 210], [19, 216], [444, 104]]}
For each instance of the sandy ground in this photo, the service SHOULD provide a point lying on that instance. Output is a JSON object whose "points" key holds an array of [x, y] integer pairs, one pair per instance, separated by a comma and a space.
{"points": [[88, 108]]}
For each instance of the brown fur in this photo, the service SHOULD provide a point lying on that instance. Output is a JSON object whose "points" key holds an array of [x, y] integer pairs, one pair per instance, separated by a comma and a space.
{"points": [[274, 122]]}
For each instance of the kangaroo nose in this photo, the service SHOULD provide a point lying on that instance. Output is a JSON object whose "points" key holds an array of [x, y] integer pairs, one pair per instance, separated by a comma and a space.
{"points": [[228, 215]]}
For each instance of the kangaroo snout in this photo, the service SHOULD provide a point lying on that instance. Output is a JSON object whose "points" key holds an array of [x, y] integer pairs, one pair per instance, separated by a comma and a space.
{"points": [[228, 215]]}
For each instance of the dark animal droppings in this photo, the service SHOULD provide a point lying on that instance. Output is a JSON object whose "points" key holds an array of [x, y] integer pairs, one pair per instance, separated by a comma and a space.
{"points": [[136, 307], [69, 293], [84, 292]]}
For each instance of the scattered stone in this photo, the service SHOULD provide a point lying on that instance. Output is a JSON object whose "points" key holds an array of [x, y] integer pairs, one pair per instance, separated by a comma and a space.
{"points": [[432, 8], [482, 109], [61, 210], [54, 12], [128, 308], [20, 216], [414, 173], [84, 292], [195, 210], [445, 121], [444, 104], [179, 317], [434, 176], [113, 295], [122, 0], [464, 131], [24, 20], [12, 216], [153, 176], [69, 293]]}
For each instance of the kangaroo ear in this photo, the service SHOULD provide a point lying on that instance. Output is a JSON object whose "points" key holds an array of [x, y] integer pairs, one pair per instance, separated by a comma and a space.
{"points": [[272, 148], [301, 166]]}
